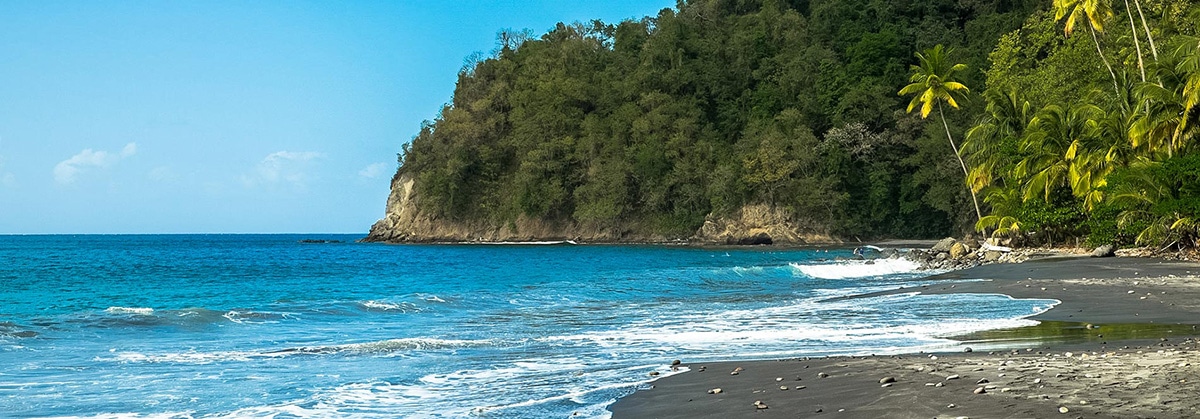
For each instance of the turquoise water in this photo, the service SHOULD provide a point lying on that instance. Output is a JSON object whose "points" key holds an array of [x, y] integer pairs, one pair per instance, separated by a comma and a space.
{"points": [[265, 326]]}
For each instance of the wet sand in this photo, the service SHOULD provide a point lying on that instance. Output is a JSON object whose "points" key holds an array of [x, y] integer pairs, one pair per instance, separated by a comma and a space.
{"points": [[1122, 344]]}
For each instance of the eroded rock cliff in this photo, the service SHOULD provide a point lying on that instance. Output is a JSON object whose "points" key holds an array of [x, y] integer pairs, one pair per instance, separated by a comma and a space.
{"points": [[405, 222]]}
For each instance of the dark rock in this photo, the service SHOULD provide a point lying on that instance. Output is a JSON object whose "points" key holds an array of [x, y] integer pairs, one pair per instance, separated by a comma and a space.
{"points": [[757, 239], [676, 362]]}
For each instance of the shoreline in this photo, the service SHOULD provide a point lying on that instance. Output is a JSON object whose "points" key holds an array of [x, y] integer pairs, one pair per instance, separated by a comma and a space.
{"points": [[1123, 342]]}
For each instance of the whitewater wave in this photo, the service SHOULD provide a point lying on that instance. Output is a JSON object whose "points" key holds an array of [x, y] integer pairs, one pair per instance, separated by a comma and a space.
{"points": [[858, 268], [144, 311], [382, 347]]}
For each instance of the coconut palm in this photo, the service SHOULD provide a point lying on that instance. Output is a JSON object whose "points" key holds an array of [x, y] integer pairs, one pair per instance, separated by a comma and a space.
{"points": [[991, 145], [1136, 44], [1096, 13], [933, 82], [1169, 125], [1056, 138]]}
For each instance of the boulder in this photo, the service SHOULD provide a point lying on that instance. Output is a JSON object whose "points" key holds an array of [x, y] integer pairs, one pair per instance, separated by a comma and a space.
{"points": [[958, 250], [992, 256], [1104, 251], [944, 245]]}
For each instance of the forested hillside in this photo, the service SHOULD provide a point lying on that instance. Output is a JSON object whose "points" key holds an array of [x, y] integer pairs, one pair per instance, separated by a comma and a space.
{"points": [[658, 123]]}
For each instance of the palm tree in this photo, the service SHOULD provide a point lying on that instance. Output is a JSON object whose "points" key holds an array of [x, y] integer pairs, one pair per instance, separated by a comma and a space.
{"points": [[1056, 138], [1153, 49], [1096, 13], [992, 144], [1137, 45], [934, 82], [1170, 124]]}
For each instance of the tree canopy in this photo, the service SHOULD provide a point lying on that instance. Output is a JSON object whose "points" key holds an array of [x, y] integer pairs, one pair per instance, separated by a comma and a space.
{"points": [[710, 106]]}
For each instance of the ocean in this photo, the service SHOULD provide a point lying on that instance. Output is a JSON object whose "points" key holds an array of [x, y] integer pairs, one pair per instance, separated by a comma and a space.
{"points": [[267, 326]]}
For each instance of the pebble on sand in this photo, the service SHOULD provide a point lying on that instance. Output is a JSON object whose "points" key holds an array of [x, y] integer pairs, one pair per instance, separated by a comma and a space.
{"points": [[886, 380], [1063, 409], [979, 390], [715, 391], [822, 375], [758, 404]]}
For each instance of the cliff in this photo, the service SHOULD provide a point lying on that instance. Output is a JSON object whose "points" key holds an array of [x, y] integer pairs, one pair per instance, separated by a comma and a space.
{"points": [[405, 222]]}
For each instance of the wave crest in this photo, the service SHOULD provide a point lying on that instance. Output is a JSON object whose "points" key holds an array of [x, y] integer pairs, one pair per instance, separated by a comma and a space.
{"points": [[858, 268]]}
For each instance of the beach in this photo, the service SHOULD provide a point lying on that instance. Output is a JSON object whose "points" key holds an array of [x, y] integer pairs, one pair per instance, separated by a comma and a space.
{"points": [[1121, 344]]}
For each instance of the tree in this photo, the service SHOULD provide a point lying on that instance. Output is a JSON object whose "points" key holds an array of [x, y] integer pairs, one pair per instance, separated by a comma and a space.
{"points": [[1095, 12], [932, 82]]}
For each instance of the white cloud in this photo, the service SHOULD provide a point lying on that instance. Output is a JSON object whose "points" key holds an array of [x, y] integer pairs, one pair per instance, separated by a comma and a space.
{"points": [[282, 167], [374, 171], [65, 172]]}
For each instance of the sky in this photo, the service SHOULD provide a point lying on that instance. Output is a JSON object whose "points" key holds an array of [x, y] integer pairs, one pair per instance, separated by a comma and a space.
{"points": [[231, 116]]}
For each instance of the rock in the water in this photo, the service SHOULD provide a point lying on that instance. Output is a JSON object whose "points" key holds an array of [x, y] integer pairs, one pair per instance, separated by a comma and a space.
{"points": [[944, 245], [653, 373], [958, 250], [1104, 251], [967, 349], [676, 362], [886, 380]]}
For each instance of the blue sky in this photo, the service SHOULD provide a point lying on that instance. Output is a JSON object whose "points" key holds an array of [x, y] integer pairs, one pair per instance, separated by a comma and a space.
{"points": [[236, 117]]}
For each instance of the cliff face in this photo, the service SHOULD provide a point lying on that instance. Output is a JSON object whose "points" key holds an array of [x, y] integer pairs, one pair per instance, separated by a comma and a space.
{"points": [[405, 222]]}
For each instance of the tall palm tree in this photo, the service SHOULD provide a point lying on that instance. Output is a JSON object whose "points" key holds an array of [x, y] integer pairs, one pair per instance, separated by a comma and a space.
{"points": [[991, 145], [1153, 49], [1096, 13], [1136, 44], [933, 82], [1170, 125], [1054, 144]]}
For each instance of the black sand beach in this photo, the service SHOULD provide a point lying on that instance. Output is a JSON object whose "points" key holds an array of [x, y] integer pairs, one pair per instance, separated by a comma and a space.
{"points": [[1122, 344]]}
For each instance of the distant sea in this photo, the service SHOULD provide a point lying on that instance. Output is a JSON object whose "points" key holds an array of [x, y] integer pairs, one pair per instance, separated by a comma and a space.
{"points": [[216, 326]]}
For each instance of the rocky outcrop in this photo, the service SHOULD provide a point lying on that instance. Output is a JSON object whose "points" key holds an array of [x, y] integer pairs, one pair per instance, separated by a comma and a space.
{"points": [[761, 224], [405, 222]]}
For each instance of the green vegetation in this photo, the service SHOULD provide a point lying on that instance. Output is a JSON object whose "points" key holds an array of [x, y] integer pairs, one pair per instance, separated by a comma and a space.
{"points": [[1058, 154], [717, 104]]}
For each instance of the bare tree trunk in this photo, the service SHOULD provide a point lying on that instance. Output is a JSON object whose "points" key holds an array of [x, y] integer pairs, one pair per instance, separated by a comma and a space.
{"points": [[1153, 49], [966, 174], [1136, 44], [1105, 60]]}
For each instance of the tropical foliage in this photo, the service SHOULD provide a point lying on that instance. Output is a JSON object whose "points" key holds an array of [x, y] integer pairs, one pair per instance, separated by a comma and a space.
{"points": [[657, 123], [1115, 165], [1077, 119]]}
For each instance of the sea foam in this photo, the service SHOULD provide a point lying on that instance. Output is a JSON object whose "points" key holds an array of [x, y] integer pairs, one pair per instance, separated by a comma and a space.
{"points": [[857, 268]]}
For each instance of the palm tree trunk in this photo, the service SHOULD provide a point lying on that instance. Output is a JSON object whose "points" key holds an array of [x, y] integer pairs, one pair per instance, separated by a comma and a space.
{"points": [[1136, 44], [966, 174], [1153, 50], [1105, 60]]}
